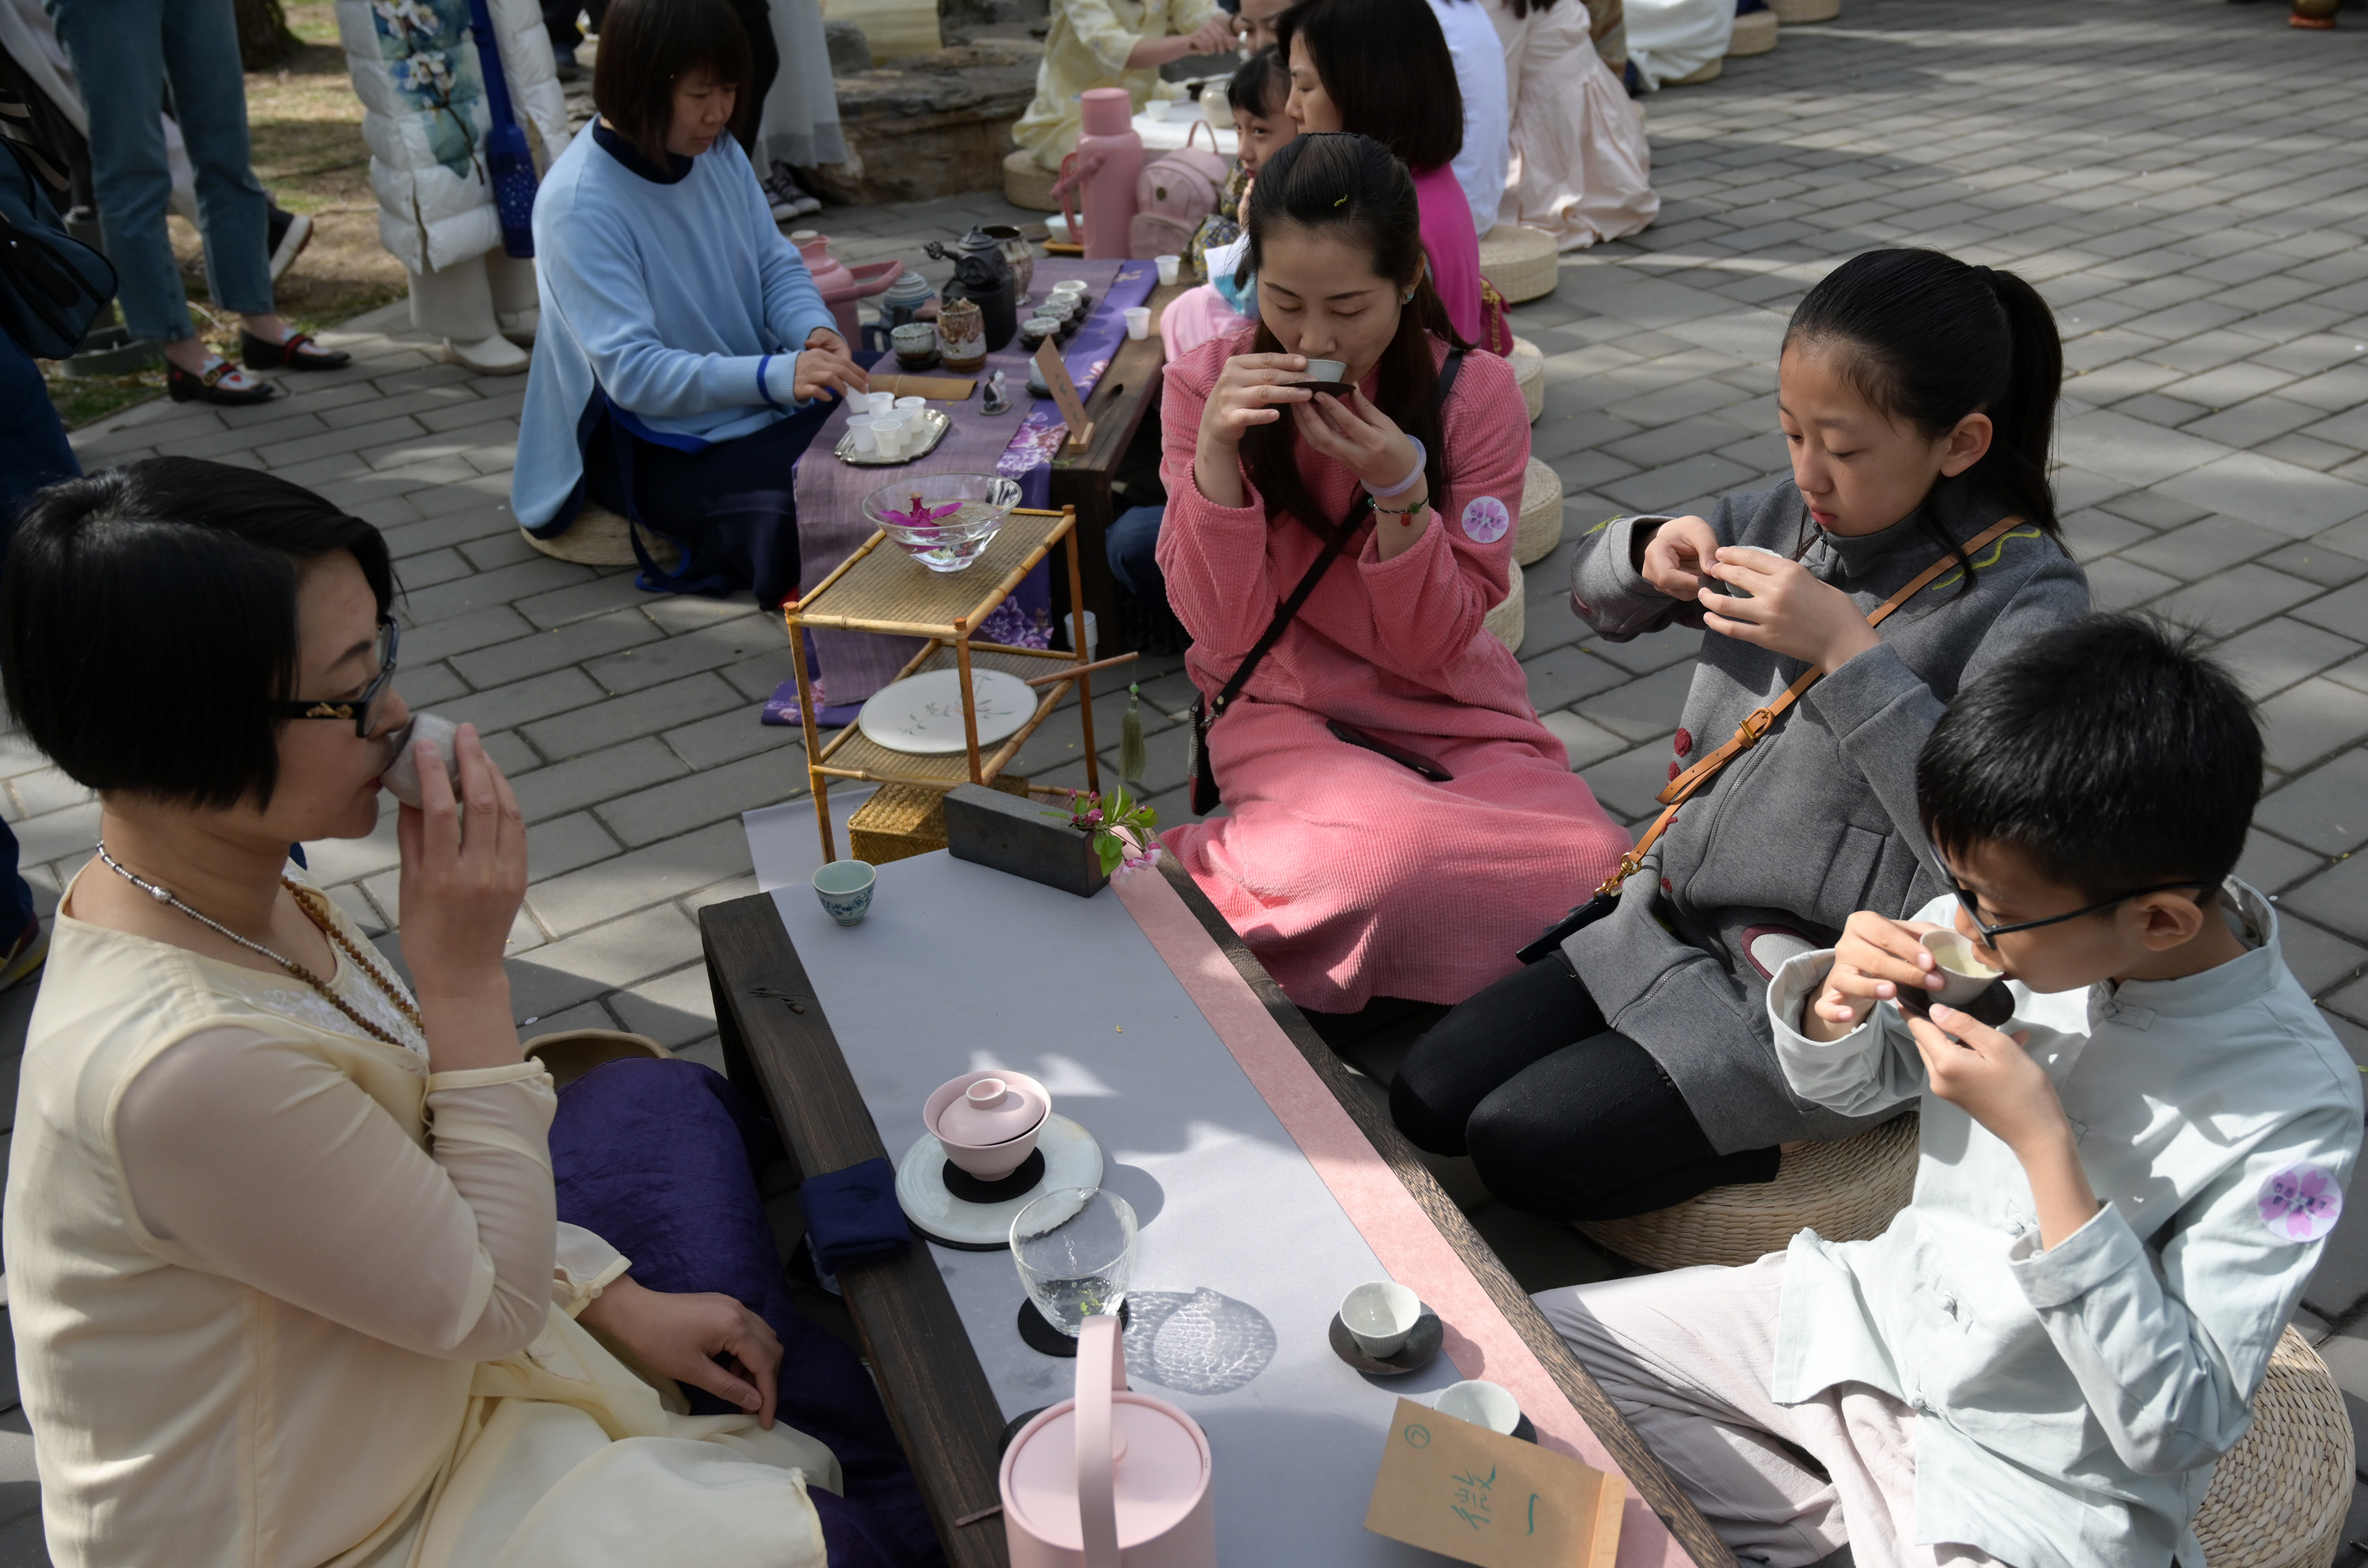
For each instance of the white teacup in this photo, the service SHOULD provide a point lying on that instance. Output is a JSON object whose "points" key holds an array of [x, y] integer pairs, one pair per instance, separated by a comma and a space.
{"points": [[1482, 1403], [1963, 976], [1380, 1314], [1729, 589], [1328, 370]]}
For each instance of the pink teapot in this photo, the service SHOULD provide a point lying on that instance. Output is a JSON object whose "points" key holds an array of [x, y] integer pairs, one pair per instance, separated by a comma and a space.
{"points": [[841, 285], [1110, 1479]]}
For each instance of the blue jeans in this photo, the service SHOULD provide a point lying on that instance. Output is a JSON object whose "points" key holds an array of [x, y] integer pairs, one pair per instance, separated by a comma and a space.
{"points": [[124, 52], [1133, 546], [33, 453]]}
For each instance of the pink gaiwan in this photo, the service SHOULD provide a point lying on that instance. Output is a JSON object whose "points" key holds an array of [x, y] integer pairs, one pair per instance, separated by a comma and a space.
{"points": [[987, 1122]]}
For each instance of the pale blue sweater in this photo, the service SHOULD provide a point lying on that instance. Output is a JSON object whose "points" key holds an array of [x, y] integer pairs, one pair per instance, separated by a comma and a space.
{"points": [[669, 297]]}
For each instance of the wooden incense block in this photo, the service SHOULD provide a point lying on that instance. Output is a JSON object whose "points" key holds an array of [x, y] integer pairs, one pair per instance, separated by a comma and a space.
{"points": [[945, 389], [1026, 838]]}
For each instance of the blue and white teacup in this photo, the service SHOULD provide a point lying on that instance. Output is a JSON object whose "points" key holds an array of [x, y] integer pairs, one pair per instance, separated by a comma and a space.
{"points": [[845, 888]]}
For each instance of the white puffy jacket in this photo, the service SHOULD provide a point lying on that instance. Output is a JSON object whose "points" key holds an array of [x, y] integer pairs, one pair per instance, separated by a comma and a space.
{"points": [[435, 206]]}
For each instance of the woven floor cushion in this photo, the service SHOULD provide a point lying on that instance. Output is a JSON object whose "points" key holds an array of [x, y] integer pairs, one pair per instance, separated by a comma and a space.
{"points": [[1793, 13], [1710, 72], [1755, 33], [1025, 184], [1523, 263], [599, 538], [1506, 622], [2280, 1497], [1846, 1191], [1529, 362], [1541, 526]]}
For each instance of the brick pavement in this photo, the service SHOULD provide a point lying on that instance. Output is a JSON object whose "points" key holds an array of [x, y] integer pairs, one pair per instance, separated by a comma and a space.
{"points": [[2182, 178]]}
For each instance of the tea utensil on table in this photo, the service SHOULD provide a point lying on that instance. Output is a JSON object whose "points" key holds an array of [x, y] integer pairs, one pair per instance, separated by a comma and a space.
{"points": [[845, 888], [1488, 1404], [1075, 1251]]}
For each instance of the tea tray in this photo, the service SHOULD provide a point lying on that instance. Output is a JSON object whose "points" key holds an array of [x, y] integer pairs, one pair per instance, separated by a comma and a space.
{"points": [[934, 426]]}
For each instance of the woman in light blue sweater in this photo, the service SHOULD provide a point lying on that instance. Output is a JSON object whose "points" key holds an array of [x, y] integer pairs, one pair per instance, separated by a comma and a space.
{"points": [[685, 358]]}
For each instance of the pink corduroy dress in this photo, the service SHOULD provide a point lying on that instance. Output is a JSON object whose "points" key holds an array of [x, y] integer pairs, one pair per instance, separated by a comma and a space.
{"points": [[1350, 876]]}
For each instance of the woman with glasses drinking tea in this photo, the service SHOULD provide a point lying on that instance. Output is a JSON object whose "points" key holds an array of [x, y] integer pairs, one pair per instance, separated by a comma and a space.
{"points": [[287, 1276]]}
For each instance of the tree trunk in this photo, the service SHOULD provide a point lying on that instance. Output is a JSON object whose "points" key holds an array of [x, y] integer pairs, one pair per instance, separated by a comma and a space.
{"points": [[264, 40]]}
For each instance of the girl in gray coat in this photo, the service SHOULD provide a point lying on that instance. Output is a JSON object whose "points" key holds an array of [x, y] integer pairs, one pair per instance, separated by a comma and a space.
{"points": [[1632, 1068]]}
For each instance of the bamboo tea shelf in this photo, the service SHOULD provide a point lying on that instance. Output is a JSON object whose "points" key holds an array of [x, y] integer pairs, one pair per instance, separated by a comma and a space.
{"points": [[879, 589]]}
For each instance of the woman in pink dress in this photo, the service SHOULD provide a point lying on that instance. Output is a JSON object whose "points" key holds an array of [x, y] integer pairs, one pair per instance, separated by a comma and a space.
{"points": [[1381, 68], [1399, 820]]}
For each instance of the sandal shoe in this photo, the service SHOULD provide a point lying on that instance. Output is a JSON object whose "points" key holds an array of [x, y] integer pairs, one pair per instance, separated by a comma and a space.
{"points": [[206, 386], [298, 353], [571, 1053]]}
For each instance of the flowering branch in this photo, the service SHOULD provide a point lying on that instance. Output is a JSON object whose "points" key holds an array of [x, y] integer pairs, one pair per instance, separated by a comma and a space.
{"points": [[1126, 835]]}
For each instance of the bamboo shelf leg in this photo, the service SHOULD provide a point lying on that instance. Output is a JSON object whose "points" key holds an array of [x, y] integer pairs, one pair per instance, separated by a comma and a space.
{"points": [[969, 706], [816, 782], [1085, 654]]}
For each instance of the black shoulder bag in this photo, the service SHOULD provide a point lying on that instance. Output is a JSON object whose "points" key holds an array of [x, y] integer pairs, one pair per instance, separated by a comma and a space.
{"points": [[1208, 710]]}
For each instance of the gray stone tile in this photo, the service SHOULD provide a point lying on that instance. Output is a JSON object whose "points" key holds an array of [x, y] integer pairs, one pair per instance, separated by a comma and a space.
{"points": [[1566, 674], [507, 706], [2293, 501], [2276, 653], [582, 781], [669, 868], [2326, 809], [2306, 723], [574, 643], [2118, 583], [592, 963], [1640, 707], [1587, 743], [1626, 784], [485, 589], [2272, 864], [2202, 547], [2344, 611], [719, 792], [2321, 959], [1653, 651], [2231, 600], [2317, 563], [673, 1009], [705, 649]]}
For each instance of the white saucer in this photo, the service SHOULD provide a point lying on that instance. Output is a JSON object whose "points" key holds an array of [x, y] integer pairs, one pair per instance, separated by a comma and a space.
{"points": [[1071, 1158], [922, 716]]}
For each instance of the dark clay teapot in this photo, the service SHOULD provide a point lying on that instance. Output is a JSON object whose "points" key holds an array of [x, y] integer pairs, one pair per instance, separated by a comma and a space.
{"points": [[983, 276]]}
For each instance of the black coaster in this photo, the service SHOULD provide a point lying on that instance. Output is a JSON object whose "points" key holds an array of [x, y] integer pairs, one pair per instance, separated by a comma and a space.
{"points": [[1421, 1346], [970, 1189], [1525, 1430], [1043, 1337], [1011, 1427]]}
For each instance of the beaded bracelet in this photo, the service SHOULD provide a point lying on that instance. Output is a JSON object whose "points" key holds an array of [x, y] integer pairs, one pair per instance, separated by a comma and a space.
{"points": [[1421, 458], [1398, 511]]}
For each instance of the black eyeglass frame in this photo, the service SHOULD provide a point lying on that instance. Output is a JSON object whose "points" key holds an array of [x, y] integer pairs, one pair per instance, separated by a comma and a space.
{"points": [[1967, 898], [358, 709]]}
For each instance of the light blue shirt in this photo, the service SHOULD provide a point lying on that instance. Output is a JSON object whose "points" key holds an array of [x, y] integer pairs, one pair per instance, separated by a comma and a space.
{"points": [[669, 298], [2075, 1399]]}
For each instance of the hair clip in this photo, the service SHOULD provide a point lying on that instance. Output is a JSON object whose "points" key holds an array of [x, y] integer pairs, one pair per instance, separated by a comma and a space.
{"points": [[1343, 201]]}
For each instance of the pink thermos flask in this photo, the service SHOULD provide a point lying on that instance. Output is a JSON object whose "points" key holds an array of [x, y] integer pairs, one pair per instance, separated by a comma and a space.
{"points": [[1104, 166]]}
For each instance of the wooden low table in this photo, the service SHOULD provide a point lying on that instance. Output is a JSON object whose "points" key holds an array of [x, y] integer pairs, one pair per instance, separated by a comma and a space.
{"points": [[778, 1043]]}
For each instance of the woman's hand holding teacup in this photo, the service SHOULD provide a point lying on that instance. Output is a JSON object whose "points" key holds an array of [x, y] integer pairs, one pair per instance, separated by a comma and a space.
{"points": [[463, 877], [827, 365], [1250, 389], [1789, 611]]}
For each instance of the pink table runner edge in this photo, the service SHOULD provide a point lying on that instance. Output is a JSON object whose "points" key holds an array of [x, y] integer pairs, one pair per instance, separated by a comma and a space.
{"points": [[1480, 1342]]}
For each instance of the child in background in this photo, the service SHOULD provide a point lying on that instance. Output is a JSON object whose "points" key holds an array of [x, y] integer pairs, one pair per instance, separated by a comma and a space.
{"points": [[2117, 1203]]}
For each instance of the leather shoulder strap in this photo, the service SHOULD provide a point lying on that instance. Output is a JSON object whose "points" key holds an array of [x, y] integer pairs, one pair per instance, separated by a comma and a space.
{"points": [[1759, 720]]}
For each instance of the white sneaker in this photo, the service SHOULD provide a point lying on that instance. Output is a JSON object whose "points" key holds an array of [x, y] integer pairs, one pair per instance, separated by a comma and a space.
{"points": [[497, 355], [519, 326]]}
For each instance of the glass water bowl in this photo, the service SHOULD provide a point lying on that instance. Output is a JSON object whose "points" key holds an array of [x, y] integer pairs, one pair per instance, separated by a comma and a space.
{"points": [[945, 521]]}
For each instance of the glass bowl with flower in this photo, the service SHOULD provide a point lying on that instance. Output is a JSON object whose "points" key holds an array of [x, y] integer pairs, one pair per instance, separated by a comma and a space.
{"points": [[945, 521]]}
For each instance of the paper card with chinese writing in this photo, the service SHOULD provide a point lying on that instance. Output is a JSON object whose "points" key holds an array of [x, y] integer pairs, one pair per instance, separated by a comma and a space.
{"points": [[1480, 1497], [1064, 391]]}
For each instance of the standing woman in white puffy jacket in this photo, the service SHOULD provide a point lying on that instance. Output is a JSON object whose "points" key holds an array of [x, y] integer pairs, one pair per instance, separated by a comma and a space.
{"points": [[415, 69]]}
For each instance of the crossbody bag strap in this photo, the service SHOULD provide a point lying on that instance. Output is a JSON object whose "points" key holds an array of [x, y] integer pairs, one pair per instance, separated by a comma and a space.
{"points": [[1761, 720], [1299, 596]]}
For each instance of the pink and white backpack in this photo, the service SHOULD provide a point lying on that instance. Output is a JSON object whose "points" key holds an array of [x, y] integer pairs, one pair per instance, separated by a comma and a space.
{"points": [[1173, 194]]}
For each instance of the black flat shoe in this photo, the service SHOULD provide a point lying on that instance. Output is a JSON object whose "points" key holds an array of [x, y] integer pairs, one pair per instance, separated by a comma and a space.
{"points": [[299, 353], [185, 387]]}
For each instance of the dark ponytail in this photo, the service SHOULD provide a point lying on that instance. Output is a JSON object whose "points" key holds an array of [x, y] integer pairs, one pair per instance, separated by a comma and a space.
{"points": [[1927, 339], [1349, 188]]}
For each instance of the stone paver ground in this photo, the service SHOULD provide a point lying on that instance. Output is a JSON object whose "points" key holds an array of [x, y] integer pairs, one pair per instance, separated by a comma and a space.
{"points": [[2182, 178]]}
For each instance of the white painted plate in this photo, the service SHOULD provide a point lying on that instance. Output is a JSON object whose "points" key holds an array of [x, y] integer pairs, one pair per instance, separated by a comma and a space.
{"points": [[1071, 1158], [923, 716]]}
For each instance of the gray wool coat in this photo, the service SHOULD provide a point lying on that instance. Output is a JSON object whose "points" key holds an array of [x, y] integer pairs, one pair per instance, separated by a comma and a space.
{"points": [[1816, 821]]}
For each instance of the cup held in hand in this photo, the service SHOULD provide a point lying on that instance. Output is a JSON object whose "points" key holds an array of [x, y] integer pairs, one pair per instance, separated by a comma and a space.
{"points": [[401, 778], [845, 888], [1326, 376], [1379, 1317], [1966, 982]]}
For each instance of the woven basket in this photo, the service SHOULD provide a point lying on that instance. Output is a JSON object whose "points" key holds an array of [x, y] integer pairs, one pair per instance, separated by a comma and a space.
{"points": [[1847, 1191], [903, 819], [1529, 362], [2280, 1497], [1028, 184], [1755, 33], [1507, 622], [1523, 263], [1710, 72], [1793, 13], [1541, 527], [599, 538]]}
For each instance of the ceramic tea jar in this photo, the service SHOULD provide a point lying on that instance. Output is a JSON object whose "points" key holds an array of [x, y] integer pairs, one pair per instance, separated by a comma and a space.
{"points": [[1018, 254], [961, 335]]}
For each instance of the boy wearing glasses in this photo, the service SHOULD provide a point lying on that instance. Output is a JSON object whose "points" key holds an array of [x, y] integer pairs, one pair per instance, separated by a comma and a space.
{"points": [[2119, 1197]]}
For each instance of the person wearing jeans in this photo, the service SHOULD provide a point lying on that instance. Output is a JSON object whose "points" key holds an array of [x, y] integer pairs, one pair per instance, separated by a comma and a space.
{"points": [[126, 53]]}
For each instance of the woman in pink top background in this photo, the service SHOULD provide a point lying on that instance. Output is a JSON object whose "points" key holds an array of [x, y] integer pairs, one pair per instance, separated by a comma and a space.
{"points": [[1381, 68], [1351, 874]]}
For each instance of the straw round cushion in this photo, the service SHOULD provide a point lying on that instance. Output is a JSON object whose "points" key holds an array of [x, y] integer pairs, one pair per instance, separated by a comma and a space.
{"points": [[1506, 622], [1793, 13], [2279, 1498], [1846, 1191], [571, 1053], [1529, 362], [1755, 33], [1540, 529], [1028, 184], [599, 538], [1523, 263], [1710, 72]]}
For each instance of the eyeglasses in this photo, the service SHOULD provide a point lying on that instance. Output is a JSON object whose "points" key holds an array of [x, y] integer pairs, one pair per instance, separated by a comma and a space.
{"points": [[361, 710], [1967, 899]]}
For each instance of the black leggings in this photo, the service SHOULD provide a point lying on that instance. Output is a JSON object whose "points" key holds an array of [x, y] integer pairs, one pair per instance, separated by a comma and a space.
{"points": [[1563, 1115]]}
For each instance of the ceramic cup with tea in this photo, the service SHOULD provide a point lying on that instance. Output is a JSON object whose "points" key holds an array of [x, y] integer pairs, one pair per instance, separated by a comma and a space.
{"points": [[401, 778], [1729, 589], [1379, 1315], [1326, 376], [845, 888], [1482, 1403], [1966, 982]]}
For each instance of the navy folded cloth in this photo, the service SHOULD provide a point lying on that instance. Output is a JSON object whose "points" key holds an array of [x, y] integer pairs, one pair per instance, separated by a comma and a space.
{"points": [[852, 1216]]}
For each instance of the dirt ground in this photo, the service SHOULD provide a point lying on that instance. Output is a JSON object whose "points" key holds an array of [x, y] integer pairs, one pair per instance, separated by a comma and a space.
{"points": [[306, 127]]}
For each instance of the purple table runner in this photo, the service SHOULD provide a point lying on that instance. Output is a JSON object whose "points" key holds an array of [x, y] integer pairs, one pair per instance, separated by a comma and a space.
{"points": [[830, 494]]}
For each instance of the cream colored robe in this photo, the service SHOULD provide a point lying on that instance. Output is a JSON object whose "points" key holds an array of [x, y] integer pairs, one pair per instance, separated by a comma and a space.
{"points": [[1087, 48], [353, 1346]]}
